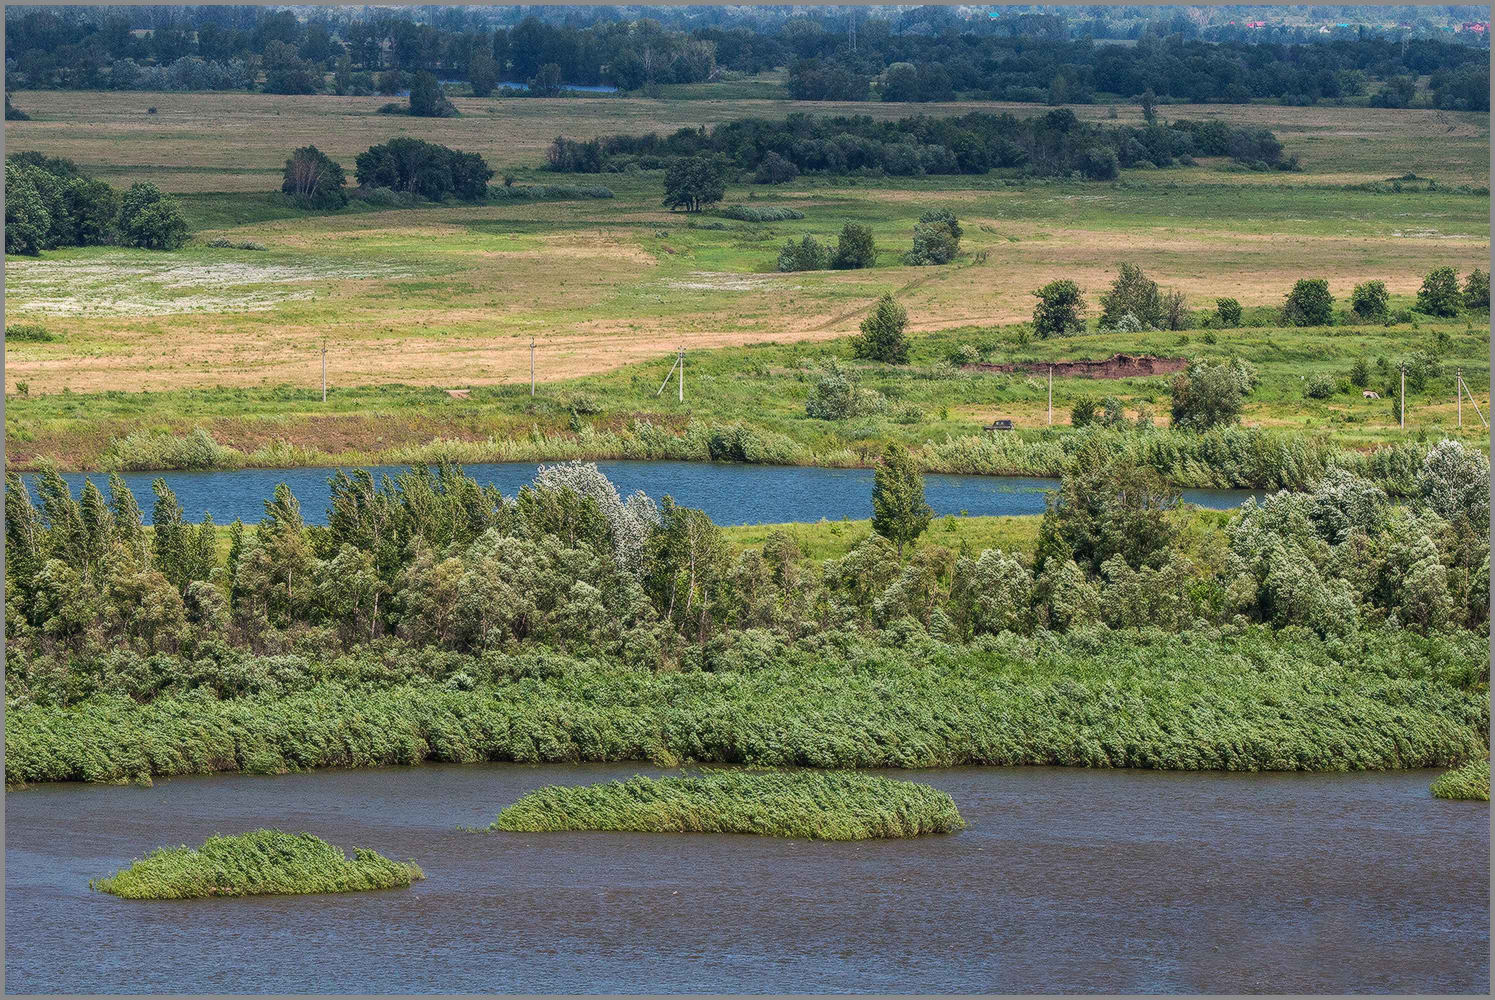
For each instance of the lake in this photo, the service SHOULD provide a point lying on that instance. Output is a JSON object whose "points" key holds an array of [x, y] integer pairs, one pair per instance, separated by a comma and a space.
{"points": [[1065, 881], [729, 493]]}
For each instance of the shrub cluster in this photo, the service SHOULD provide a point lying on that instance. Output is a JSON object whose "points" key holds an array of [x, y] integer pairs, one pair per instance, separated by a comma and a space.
{"points": [[265, 862], [423, 169], [812, 805]]}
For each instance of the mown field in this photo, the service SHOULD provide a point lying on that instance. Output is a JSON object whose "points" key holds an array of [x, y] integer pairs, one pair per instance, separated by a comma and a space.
{"points": [[411, 302]]}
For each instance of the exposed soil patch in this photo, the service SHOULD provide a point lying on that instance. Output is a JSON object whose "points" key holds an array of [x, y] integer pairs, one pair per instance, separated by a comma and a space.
{"points": [[1116, 366]]}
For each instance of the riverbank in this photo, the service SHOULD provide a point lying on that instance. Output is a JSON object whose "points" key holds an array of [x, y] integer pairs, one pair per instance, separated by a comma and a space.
{"points": [[1223, 699]]}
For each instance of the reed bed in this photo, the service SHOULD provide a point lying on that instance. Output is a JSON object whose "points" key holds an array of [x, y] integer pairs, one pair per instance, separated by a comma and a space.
{"points": [[811, 805], [1472, 781], [262, 863]]}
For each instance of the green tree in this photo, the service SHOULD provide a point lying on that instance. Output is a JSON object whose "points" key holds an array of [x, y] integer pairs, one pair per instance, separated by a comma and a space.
{"points": [[693, 183], [546, 82], [1228, 311], [1060, 310], [342, 76], [1368, 301], [150, 220], [855, 248], [1309, 304], [1149, 106], [1132, 294], [806, 255], [1107, 506], [936, 239], [882, 337], [482, 68], [899, 511], [1360, 373], [1211, 395], [1439, 295], [1477, 291], [314, 179], [27, 221], [427, 99]]}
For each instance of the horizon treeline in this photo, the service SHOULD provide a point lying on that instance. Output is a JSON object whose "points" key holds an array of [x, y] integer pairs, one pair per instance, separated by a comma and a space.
{"points": [[1031, 57]]}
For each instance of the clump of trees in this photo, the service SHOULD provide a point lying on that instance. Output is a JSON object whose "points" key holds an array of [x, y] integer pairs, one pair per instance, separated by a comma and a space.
{"points": [[1208, 394], [423, 169], [1477, 291], [837, 394], [1439, 294], [1309, 304], [1369, 301], [694, 183], [314, 180], [1053, 144], [50, 203], [854, 249], [936, 239], [882, 337], [13, 113]]}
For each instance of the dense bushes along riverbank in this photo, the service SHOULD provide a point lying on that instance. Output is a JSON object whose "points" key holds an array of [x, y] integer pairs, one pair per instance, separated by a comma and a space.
{"points": [[1232, 700], [403, 629]]}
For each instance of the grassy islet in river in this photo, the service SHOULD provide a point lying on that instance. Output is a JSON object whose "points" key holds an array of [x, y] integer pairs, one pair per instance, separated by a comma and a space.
{"points": [[1472, 781], [815, 805], [265, 862]]}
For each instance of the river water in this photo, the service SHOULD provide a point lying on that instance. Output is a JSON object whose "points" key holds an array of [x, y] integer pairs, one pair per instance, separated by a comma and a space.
{"points": [[1065, 881], [729, 493]]}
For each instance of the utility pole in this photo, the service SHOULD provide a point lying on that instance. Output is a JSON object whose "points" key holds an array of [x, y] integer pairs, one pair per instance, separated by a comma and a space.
{"points": [[1051, 395], [1458, 373], [324, 369], [1463, 388], [682, 374], [532, 368], [1403, 399]]}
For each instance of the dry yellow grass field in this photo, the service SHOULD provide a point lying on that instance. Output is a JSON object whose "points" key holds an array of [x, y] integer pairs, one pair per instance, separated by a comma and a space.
{"points": [[451, 295]]}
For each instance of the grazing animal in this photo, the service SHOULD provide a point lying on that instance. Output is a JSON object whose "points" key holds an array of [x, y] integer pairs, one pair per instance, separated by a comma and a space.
{"points": [[1371, 395]]}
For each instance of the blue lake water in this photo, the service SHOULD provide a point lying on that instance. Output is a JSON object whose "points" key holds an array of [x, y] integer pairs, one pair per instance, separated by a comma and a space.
{"points": [[1064, 881], [730, 494]]}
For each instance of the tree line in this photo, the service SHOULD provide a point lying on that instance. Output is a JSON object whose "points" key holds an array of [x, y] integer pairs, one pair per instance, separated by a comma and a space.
{"points": [[1057, 143], [430, 559], [1027, 58], [50, 203]]}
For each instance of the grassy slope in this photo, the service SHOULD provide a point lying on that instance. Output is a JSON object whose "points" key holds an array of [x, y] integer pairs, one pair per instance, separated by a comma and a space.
{"points": [[265, 862], [804, 804], [449, 296]]}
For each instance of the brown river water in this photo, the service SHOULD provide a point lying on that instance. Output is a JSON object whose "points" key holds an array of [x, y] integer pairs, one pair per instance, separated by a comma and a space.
{"points": [[1065, 881]]}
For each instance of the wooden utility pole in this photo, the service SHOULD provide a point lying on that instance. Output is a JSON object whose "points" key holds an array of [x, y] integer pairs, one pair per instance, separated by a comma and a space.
{"points": [[1051, 395], [1458, 374], [1402, 400], [324, 369], [682, 374], [1463, 388], [679, 366], [532, 367]]}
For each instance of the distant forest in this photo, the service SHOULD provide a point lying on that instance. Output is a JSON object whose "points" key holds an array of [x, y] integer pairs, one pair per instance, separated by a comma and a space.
{"points": [[910, 55]]}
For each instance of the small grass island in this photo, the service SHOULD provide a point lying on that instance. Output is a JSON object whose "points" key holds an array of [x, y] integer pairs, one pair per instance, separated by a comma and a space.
{"points": [[265, 862], [1471, 781], [812, 805]]}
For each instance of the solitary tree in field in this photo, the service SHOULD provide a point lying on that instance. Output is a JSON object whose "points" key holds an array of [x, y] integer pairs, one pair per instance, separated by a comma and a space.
{"points": [[882, 336], [1368, 300], [1309, 304], [693, 183], [899, 511], [150, 220], [1439, 294], [1060, 309]]}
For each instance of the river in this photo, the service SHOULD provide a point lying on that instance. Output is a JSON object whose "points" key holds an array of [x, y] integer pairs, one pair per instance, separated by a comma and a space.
{"points": [[1065, 881], [729, 493]]}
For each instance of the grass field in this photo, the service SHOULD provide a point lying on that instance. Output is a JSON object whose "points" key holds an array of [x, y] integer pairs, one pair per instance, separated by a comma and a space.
{"points": [[410, 302]]}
